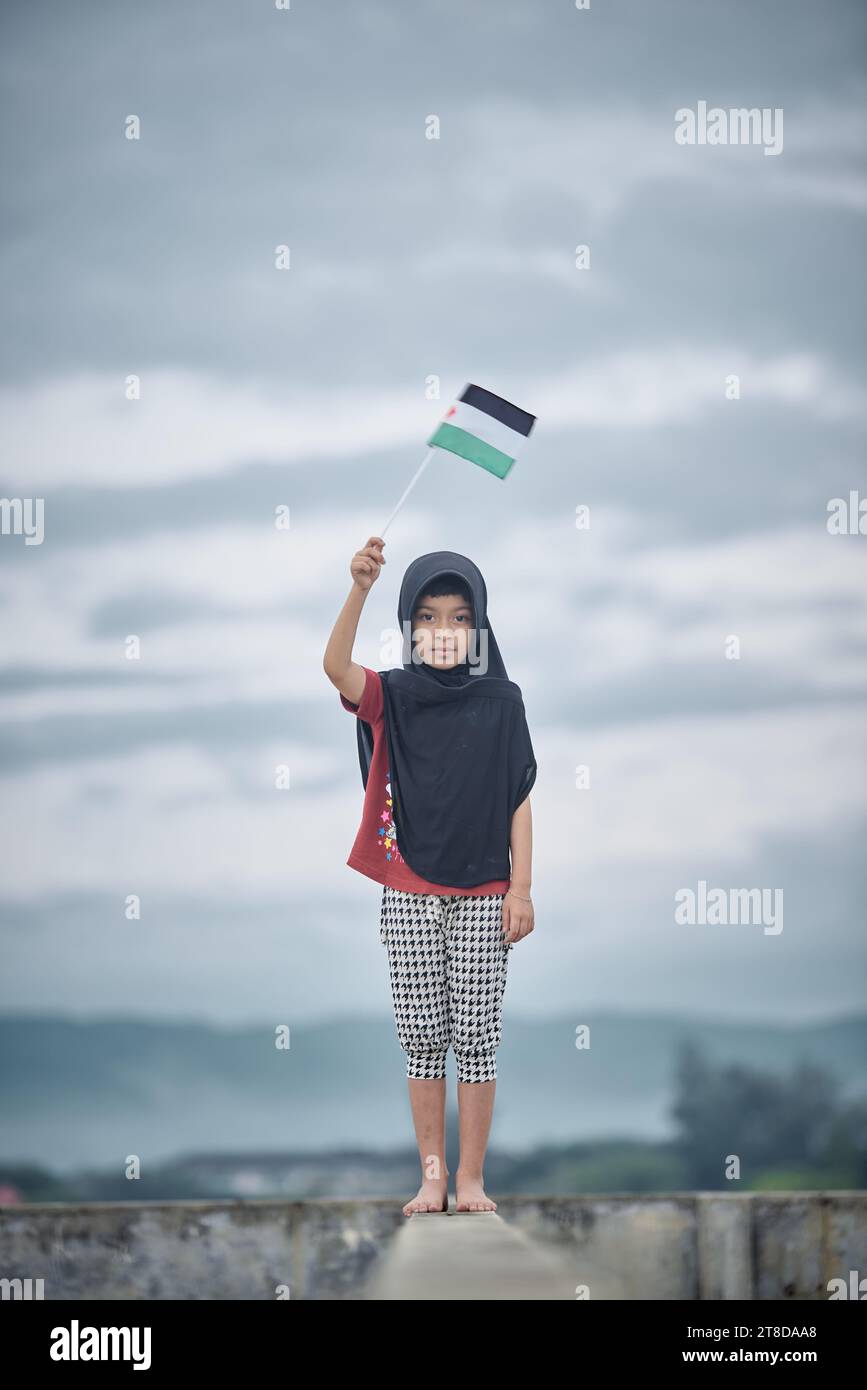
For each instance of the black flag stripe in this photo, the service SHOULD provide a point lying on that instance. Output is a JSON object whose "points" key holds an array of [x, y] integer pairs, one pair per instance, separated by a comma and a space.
{"points": [[507, 414]]}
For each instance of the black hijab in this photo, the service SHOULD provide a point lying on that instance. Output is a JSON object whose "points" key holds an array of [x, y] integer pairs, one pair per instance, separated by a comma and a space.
{"points": [[460, 758]]}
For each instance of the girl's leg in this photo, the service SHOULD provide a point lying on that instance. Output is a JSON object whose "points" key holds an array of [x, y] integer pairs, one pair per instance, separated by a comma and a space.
{"points": [[478, 955], [475, 1108], [428, 1101], [412, 930]]}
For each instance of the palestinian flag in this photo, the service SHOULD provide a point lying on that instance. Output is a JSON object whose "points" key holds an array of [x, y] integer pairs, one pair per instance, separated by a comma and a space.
{"points": [[484, 429]]}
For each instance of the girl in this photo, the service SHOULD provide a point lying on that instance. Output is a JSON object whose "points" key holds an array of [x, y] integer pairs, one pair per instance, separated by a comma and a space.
{"points": [[447, 766]]}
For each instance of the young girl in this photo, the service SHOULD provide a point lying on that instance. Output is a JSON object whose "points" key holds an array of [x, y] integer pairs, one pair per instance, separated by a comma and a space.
{"points": [[447, 766]]}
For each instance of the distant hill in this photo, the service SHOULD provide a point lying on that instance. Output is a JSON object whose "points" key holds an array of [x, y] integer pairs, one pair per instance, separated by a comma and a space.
{"points": [[89, 1093]]}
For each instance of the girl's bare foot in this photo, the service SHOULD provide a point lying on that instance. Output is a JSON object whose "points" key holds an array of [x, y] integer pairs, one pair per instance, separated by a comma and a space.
{"points": [[470, 1194], [433, 1195]]}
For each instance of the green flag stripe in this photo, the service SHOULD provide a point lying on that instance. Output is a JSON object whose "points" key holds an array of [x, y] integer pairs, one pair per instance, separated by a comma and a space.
{"points": [[471, 448]]}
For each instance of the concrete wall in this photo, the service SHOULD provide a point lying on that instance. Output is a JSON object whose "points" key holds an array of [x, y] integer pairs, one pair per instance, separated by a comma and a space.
{"points": [[666, 1246], [704, 1245]]}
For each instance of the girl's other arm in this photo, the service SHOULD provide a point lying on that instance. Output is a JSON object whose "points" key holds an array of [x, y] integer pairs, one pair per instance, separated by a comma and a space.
{"points": [[521, 845], [344, 673], [519, 918]]}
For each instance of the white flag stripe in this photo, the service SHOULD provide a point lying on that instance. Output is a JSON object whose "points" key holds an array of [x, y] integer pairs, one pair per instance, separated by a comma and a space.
{"points": [[494, 432]]}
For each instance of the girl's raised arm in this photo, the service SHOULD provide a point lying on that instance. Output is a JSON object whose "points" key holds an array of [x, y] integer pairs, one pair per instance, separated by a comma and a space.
{"points": [[344, 673]]}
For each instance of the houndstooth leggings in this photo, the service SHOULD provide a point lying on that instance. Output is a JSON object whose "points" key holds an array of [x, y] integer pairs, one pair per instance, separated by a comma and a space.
{"points": [[447, 958]]}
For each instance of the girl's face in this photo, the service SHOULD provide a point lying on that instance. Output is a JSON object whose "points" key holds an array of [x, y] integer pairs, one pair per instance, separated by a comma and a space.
{"points": [[441, 629]]}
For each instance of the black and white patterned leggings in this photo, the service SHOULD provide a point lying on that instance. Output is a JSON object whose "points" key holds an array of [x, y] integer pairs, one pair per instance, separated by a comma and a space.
{"points": [[447, 958]]}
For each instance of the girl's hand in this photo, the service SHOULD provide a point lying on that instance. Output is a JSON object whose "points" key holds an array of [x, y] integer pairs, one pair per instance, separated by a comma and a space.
{"points": [[518, 917], [367, 562]]}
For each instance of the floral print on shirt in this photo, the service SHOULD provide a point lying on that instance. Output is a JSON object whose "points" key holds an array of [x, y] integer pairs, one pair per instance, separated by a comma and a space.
{"points": [[387, 833]]}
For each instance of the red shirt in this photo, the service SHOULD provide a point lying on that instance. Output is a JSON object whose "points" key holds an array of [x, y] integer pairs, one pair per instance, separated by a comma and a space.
{"points": [[375, 852]]}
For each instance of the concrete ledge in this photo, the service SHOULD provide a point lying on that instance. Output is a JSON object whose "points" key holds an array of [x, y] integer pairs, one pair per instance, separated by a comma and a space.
{"points": [[461, 1257], [710, 1246]]}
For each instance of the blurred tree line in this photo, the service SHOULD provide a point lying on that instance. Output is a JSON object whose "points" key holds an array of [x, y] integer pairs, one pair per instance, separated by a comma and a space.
{"points": [[787, 1131]]}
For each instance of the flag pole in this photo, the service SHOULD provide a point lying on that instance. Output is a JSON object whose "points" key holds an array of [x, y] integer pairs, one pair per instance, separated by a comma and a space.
{"points": [[425, 461]]}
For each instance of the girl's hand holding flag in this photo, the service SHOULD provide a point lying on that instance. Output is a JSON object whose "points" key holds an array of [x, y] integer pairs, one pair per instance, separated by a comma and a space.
{"points": [[366, 563]]}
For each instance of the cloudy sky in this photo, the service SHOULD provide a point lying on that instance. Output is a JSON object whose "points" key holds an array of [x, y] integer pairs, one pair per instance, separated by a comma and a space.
{"points": [[308, 387]]}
